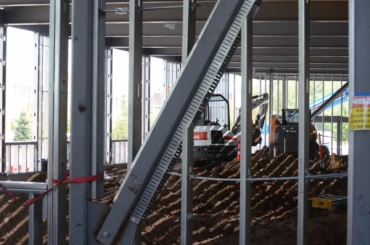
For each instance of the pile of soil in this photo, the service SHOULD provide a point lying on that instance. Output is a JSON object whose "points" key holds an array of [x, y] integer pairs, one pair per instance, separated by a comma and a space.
{"points": [[216, 206]]}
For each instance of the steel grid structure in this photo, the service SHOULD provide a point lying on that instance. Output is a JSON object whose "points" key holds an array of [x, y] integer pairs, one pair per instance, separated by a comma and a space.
{"points": [[275, 31], [358, 10]]}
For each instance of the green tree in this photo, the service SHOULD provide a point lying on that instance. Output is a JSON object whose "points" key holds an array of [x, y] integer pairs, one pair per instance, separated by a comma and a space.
{"points": [[120, 128], [22, 128]]}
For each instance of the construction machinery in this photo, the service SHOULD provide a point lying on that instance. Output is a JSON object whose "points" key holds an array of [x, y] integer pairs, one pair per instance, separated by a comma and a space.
{"points": [[214, 142], [284, 135]]}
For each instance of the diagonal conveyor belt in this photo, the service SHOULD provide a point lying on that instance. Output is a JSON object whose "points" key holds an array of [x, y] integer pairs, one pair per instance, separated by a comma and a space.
{"points": [[197, 81]]}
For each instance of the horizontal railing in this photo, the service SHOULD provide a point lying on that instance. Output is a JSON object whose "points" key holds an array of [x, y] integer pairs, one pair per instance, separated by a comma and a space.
{"points": [[119, 149], [20, 157]]}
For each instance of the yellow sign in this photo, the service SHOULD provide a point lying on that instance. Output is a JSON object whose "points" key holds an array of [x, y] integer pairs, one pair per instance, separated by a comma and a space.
{"points": [[360, 112]]}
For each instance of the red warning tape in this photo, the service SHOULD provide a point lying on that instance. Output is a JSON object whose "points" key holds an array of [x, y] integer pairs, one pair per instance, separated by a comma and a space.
{"points": [[8, 193], [76, 180]]}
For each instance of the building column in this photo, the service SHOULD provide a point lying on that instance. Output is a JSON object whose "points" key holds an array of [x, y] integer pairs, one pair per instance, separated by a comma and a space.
{"points": [[188, 40], [3, 166], [358, 222], [57, 138], [246, 129], [135, 80], [87, 119], [304, 119]]}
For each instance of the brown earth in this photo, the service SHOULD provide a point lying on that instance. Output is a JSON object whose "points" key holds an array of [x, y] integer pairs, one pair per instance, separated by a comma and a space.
{"points": [[216, 206]]}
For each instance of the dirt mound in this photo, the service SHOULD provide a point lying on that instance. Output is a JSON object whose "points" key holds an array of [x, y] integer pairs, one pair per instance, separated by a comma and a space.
{"points": [[216, 206]]}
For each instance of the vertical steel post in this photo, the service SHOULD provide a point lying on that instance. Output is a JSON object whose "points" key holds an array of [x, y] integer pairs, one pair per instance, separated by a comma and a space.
{"points": [[36, 83], [188, 40], [358, 224], [285, 94], [188, 28], [271, 102], [332, 112], [38, 148], [134, 88], [35, 222], [98, 97], [304, 120], [246, 129], [146, 96], [81, 116], [108, 101], [58, 59], [2, 97]]}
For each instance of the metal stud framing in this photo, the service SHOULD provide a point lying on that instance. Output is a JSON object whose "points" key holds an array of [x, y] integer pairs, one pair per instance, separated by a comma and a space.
{"points": [[246, 129], [188, 40], [58, 48], [108, 123], [304, 122], [2, 97], [358, 213], [135, 78], [146, 97]]}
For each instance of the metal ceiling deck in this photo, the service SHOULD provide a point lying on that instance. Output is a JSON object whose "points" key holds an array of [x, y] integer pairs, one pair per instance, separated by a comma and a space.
{"points": [[275, 31]]}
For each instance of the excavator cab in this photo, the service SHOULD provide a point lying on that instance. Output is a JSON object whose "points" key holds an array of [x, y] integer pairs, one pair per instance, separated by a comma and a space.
{"points": [[210, 117], [284, 134]]}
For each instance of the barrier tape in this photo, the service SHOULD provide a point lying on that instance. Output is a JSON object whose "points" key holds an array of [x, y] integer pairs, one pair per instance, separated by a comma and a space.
{"points": [[8, 193], [76, 180]]}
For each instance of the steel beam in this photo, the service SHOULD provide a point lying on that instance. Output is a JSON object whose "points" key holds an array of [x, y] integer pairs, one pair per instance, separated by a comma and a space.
{"points": [[274, 51], [246, 129], [57, 152], [304, 119], [358, 212], [321, 11], [261, 28], [258, 41], [135, 81]]}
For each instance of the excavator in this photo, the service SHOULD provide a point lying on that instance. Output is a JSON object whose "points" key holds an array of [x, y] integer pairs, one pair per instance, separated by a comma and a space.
{"points": [[284, 136], [284, 133], [215, 143]]}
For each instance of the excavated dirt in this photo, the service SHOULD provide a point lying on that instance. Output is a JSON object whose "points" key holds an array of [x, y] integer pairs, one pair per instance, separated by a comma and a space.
{"points": [[216, 206]]}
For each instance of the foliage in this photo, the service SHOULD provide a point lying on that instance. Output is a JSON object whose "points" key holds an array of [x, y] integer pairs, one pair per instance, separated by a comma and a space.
{"points": [[22, 128]]}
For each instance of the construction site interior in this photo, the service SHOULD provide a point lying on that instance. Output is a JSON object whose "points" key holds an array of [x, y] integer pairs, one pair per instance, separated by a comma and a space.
{"points": [[184, 122]]}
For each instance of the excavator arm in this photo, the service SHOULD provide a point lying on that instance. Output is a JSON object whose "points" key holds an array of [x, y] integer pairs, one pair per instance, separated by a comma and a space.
{"points": [[260, 101]]}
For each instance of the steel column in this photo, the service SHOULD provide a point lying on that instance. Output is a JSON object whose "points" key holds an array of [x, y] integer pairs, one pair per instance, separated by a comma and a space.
{"points": [[135, 78], [98, 97], [358, 222], [188, 40], [35, 85], [108, 101], [304, 119], [146, 97], [58, 58], [188, 28], [84, 56], [2, 98], [35, 221], [246, 129], [40, 93], [187, 188]]}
